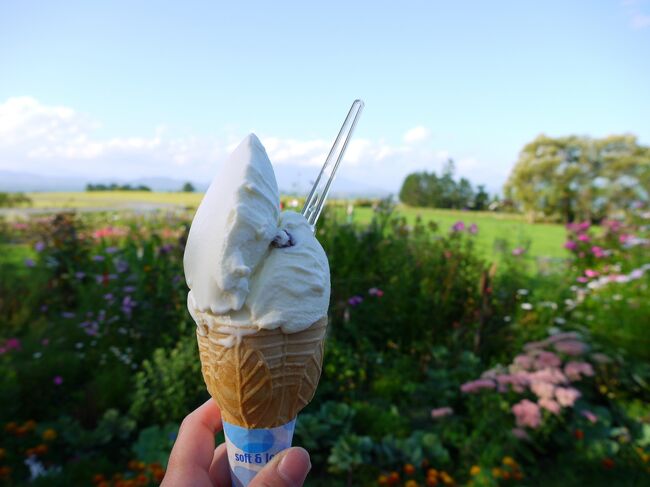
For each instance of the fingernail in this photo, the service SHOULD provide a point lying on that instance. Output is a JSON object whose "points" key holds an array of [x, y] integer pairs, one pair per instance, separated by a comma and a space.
{"points": [[295, 466]]}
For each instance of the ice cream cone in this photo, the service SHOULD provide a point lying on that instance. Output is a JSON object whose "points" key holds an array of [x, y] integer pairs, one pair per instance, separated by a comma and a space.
{"points": [[261, 378]]}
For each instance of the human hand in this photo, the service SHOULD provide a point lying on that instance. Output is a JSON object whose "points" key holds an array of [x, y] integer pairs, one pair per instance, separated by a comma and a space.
{"points": [[195, 462]]}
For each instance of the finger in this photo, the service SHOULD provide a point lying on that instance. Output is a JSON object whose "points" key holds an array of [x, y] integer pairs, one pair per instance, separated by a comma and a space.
{"points": [[219, 469], [194, 446], [288, 469]]}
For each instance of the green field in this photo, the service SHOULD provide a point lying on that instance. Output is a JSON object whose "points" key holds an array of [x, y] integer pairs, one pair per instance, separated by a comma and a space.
{"points": [[545, 240], [117, 199]]}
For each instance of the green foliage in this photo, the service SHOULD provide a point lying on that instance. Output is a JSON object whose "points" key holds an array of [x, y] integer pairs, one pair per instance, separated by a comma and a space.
{"points": [[169, 384], [11, 200], [154, 443], [579, 178], [426, 189]]}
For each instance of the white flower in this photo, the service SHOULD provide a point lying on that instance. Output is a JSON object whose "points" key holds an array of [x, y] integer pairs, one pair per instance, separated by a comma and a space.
{"points": [[526, 306]]}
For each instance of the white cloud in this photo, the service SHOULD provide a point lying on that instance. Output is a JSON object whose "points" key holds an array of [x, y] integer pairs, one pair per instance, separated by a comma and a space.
{"points": [[638, 12], [416, 134], [57, 140]]}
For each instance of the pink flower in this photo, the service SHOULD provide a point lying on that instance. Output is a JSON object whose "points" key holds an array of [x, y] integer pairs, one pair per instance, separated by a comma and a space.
{"points": [[597, 251], [583, 237], [624, 237], [527, 414], [473, 229], [591, 417], [582, 279], [518, 381], [523, 361], [567, 396], [547, 359], [543, 390], [459, 226], [584, 226], [58, 380], [476, 385], [441, 412], [591, 273], [550, 405], [12, 344], [571, 347], [550, 375], [375, 291], [575, 370], [570, 245], [601, 358], [520, 434]]}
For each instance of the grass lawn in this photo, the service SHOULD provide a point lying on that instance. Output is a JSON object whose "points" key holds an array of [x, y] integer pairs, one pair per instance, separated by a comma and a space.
{"points": [[114, 199], [546, 240]]}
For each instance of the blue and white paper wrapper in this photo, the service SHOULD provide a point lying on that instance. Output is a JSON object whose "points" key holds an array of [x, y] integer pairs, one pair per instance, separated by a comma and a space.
{"points": [[250, 450]]}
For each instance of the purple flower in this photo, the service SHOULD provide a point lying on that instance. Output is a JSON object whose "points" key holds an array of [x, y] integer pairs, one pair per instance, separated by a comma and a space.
{"points": [[98, 258], [39, 246], [441, 412], [68, 315], [518, 251], [80, 275], [355, 300], [128, 289], [108, 297], [473, 229], [29, 263], [12, 344], [476, 385], [111, 250], [459, 226], [127, 305], [58, 380], [166, 248], [121, 266], [375, 291]]}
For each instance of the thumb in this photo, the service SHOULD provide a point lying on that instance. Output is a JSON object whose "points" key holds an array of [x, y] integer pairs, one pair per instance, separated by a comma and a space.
{"points": [[287, 469]]}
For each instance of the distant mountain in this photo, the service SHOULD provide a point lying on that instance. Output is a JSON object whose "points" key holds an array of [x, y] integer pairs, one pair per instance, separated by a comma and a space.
{"points": [[291, 180]]}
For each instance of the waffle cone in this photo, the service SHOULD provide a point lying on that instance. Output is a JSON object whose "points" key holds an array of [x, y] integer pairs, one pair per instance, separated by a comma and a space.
{"points": [[264, 378]]}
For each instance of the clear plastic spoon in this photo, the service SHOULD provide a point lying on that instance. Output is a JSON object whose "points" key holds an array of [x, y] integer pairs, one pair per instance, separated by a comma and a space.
{"points": [[316, 199]]}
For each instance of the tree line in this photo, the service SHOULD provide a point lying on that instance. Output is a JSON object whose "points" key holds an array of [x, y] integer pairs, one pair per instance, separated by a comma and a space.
{"points": [[430, 190], [116, 187], [563, 179]]}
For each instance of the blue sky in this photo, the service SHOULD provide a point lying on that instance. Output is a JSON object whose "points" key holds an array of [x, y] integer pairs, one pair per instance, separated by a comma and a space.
{"points": [[129, 89]]}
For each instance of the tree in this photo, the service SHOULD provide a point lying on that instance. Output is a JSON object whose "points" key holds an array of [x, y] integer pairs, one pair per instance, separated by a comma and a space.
{"points": [[481, 199], [188, 188], [579, 178]]}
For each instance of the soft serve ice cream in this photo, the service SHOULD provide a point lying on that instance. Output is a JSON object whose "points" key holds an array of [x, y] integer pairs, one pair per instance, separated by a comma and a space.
{"points": [[239, 280]]}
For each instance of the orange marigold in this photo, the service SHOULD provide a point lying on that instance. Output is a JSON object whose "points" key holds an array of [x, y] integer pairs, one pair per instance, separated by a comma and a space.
{"points": [[475, 470], [382, 480], [411, 483], [393, 478], [409, 469], [29, 425], [49, 434]]}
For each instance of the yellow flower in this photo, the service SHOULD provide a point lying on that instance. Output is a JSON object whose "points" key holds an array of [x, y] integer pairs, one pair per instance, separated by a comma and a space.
{"points": [[411, 483], [475, 470], [509, 461], [497, 472], [446, 478], [49, 434]]}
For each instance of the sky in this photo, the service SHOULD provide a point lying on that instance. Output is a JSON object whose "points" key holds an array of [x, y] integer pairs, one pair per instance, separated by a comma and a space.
{"points": [[127, 89]]}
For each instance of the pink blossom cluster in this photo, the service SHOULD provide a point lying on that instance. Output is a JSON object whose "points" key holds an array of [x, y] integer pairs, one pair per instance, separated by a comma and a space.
{"points": [[109, 231], [9, 345], [546, 370]]}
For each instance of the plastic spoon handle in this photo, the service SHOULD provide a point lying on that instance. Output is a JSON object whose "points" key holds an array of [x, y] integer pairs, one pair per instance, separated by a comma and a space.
{"points": [[316, 199]]}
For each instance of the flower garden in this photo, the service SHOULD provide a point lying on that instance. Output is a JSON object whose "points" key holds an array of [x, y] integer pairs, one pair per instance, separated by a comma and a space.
{"points": [[442, 367]]}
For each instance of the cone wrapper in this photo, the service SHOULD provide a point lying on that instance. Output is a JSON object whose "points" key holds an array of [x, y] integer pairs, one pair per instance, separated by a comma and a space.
{"points": [[249, 450]]}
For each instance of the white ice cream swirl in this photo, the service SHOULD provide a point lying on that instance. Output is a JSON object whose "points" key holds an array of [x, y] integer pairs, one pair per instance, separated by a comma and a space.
{"points": [[236, 277]]}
